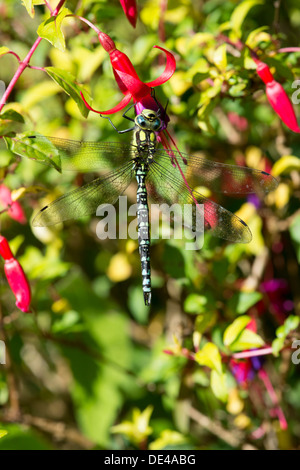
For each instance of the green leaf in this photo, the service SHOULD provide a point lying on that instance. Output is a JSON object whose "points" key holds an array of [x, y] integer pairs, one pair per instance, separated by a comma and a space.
{"points": [[195, 303], [281, 68], [290, 324], [233, 330], [251, 39], [69, 322], [174, 262], [98, 384], [2, 433], [137, 306], [39, 92], [247, 340], [8, 127], [68, 82], [277, 346], [295, 234], [295, 229], [167, 438], [237, 90], [43, 152], [205, 321], [137, 430], [219, 386], [4, 50], [29, 5], [50, 29], [239, 14], [209, 356], [286, 164], [220, 57], [21, 438], [12, 115], [242, 301]]}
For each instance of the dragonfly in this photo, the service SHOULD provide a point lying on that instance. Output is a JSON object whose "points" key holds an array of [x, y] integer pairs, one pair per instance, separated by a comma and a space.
{"points": [[167, 176]]}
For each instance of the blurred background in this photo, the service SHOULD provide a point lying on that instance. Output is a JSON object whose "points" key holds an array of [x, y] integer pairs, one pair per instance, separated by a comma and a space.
{"points": [[87, 369]]}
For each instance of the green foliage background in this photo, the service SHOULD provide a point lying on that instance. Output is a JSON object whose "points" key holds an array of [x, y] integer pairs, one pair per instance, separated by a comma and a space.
{"points": [[92, 352]]}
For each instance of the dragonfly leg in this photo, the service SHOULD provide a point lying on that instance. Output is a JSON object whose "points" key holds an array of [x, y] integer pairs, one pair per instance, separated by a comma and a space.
{"points": [[112, 124], [124, 115]]}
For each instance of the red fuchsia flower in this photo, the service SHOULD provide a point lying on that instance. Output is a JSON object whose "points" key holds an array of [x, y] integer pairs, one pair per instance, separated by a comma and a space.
{"points": [[15, 210], [277, 96], [141, 93], [128, 80], [130, 10], [16, 277]]}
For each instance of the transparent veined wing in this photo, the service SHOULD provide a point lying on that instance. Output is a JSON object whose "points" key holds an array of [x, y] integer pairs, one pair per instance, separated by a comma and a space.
{"points": [[86, 199], [64, 154], [163, 187], [219, 177]]}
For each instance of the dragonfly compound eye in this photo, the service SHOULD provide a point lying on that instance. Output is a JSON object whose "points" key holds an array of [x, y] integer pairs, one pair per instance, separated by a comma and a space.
{"points": [[141, 122], [156, 124]]}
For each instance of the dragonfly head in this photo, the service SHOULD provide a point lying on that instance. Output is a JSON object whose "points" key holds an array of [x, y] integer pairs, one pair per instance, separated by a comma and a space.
{"points": [[148, 120]]}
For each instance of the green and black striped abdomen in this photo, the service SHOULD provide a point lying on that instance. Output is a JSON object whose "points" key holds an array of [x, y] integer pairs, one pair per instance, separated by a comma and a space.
{"points": [[143, 229]]}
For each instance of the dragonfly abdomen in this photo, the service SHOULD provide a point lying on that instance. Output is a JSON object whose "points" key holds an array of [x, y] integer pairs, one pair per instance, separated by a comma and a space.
{"points": [[143, 229]]}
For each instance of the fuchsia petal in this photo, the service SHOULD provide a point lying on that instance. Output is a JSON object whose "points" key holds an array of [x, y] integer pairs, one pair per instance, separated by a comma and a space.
{"points": [[169, 70], [18, 284], [15, 210], [117, 108], [264, 72], [282, 105], [277, 97], [5, 250], [130, 10], [122, 63], [5, 195], [126, 77], [133, 85], [252, 325], [16, 277]]}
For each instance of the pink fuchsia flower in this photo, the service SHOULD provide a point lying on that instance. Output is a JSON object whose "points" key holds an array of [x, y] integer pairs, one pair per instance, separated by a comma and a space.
{"points": [[277, 293], [16, 277], [244, 370], [277, 96], [15, 210], [127, 78], [130, 10], [239, 122]]}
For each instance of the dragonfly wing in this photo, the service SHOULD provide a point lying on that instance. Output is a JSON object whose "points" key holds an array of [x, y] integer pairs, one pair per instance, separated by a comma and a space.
{"points": [[219, 177], [86, 199], [75, 155], [163, 187]]}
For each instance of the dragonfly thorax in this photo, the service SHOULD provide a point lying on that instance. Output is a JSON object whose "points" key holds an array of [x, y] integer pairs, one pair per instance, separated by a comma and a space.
{"points": [[144, 139]]}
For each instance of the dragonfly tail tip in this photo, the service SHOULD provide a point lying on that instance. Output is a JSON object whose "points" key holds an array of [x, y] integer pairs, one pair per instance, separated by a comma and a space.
{"points": [[147, 298]]}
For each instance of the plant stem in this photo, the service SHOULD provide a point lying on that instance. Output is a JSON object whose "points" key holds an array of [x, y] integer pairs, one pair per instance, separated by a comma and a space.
{"points": [[22, 66], [24, 63], [252, 353], [91, 25], [289, 49]]}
